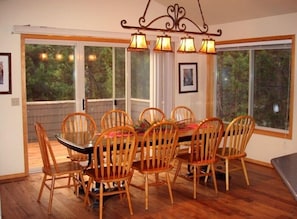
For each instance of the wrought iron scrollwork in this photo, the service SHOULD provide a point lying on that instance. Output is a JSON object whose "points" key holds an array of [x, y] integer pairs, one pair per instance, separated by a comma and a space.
{"points": [[175, 21]]}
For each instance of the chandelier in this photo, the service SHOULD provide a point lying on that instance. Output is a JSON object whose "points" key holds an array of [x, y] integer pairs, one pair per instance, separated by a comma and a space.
{"points": [[175, 22]]}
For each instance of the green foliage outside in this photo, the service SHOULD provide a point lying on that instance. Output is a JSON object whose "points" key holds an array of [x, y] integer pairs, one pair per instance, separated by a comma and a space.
{"points": [[49, 79], [52, 79], [272, 88], [232, 84], [98, 73], [268, 97]]}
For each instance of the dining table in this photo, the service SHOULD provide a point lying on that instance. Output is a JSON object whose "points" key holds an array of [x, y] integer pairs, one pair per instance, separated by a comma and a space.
{"points": [[83, 142]]}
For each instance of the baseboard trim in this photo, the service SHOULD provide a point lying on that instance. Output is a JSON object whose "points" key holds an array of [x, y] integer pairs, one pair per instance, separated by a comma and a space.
{"points": [[258, 162], [12, 177]]}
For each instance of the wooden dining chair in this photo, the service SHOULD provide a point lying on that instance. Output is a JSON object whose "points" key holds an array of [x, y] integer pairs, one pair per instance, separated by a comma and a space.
{"points": [[54, 171], [204, 144], [114, 151], [113, 118], [79, 122], [183, 115], [236, 138], [157, 151], [152, 115]]}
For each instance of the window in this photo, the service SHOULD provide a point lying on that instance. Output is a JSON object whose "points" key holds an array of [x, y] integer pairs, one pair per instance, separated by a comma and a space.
{"points": [[140, 72], [255, 78]]}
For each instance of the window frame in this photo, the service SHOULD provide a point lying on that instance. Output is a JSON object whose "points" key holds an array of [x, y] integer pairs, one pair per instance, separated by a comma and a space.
{"points": [[211, 83]]}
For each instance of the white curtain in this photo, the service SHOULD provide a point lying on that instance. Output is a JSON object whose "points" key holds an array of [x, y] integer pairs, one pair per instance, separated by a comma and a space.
{"points": [[163, 81]]}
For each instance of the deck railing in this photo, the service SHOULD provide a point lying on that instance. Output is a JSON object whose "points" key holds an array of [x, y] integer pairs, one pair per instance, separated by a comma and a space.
{"points": [[51, 113]]}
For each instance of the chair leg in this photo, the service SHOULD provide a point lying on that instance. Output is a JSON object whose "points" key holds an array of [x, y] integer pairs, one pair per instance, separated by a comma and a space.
{"points": [[42, 186], [87, 199], [177, 171], [69, 180], [82, 182], [128, 197], [129, 181], [227, 174], [74, 181], [146, 188], [189, 169], [157, 177], [195, 182], [245, 171], [207, 172], [51, 195], [214, 177], [101, 201], [169, 187]]}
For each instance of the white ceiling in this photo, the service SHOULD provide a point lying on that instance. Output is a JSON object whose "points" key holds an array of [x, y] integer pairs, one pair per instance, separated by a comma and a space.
{"points": [[225, 11]]}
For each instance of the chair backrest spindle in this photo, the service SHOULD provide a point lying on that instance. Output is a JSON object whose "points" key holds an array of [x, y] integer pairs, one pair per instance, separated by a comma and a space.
{"points": [[237, 135], [115, 150], [152, 115], [206, 140], [47, 154], [115, 118], [158, 146], [182, 114]]}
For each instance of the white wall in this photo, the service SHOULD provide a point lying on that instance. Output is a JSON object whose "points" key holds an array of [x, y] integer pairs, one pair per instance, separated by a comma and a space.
{"points": [[100, 15]]}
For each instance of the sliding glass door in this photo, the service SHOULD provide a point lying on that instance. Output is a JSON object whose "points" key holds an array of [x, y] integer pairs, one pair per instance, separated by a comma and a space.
{"points": [[64, 76]]}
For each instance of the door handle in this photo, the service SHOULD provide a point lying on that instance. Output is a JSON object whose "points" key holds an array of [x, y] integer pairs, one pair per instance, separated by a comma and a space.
{"points": [[83, 104]]}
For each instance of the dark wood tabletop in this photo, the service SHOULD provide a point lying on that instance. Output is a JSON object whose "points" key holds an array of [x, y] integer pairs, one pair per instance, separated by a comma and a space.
{"points": [[82, 142]]}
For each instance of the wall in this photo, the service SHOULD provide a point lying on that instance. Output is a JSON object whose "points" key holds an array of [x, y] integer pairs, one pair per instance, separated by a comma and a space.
{"points": [[98, 15]]}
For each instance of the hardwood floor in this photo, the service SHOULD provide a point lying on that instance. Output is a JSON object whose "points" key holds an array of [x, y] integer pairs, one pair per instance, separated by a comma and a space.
{"points": [[266, 197], [34, 155]]}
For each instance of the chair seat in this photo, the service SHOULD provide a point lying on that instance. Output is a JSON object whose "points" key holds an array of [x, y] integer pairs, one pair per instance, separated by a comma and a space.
{"points": [[233, 154], [150, 168], [186, 158], [63, 168], [79, 157], [107, 178]]}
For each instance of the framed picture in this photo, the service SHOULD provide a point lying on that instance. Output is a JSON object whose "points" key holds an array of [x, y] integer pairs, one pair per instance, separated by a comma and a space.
{"points": [[188, 77], [5, 73]]}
